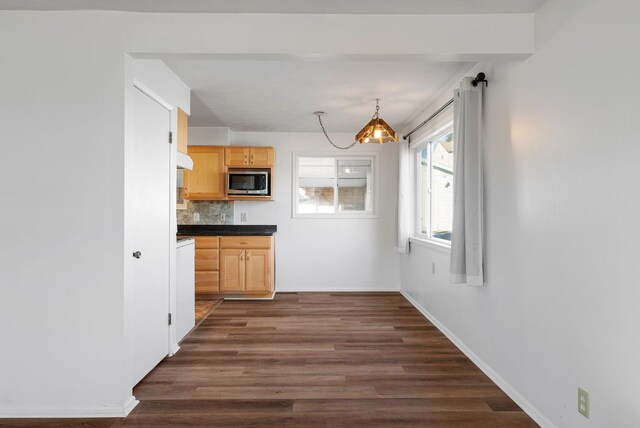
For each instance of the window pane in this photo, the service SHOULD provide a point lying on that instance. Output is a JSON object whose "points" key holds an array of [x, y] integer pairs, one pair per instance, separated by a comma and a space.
{"points": [[354, 185], [316, 182], [423, 197], [442, 188], [315, 200]]}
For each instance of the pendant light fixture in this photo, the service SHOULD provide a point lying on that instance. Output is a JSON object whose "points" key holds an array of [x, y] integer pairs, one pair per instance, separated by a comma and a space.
{"points": [[376, 131]]}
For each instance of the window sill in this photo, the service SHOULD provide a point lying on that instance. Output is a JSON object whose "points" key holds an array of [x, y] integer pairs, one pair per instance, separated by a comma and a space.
{"points": [[335, 216], [431, 244]]}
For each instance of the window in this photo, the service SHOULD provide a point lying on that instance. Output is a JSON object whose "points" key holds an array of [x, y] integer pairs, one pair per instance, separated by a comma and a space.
{"points": [[434, 176], [334, 186]]}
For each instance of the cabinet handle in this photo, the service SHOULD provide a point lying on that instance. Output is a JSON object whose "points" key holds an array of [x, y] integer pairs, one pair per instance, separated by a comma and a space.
{"points": [[248, 254], [252, 158], [242, 255], [137, 254]]}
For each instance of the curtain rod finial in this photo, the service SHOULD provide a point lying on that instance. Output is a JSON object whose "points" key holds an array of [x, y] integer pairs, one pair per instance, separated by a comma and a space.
{"points": [[480, 78]]}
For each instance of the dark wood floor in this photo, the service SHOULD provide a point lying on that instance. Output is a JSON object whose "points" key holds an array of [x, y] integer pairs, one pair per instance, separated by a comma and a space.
{"points": [[315, 360]]}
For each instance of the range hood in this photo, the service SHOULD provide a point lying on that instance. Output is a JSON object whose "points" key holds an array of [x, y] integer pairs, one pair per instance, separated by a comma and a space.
{"points": [[184, 161]]}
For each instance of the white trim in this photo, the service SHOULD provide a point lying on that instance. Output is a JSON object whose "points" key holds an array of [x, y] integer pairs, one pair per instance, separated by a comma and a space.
{"points": [[151, 94], [174, 350], [131, 404], [528, 408], [431, 244], [375, 163], [69, 411], [338, 289]]}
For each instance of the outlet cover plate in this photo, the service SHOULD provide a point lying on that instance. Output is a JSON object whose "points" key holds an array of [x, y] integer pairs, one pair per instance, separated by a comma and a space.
{"points": [[583, 402]]}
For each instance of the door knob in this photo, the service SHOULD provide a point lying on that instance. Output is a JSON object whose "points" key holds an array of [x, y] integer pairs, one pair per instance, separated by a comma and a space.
{"points": [[137, 254]]}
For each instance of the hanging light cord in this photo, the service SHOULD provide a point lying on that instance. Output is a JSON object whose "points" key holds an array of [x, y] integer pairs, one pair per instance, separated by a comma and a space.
{"points": [[329, 139]]}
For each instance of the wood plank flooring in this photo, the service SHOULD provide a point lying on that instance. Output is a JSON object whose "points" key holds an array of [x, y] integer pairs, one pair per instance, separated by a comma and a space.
{"points": [[315, 360]]}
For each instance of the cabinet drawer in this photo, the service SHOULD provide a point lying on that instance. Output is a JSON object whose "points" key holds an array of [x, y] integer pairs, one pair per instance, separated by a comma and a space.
{"points": [[207, 242], [245, 242], [207, 259], [207, 282]]}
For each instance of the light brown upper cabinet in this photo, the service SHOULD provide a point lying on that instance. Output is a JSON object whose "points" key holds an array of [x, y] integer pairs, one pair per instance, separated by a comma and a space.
{"points": [[261, 157], [236, 156], [239, 157], [183, 121], [206, 182]]}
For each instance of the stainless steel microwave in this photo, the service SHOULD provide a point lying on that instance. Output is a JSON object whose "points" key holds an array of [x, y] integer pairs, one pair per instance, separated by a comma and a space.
{"points": [[248, 182]]}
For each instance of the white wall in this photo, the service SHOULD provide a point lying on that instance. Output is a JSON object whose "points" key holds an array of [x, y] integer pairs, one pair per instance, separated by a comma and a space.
{"points": [[560, 307], [62, 219], [326, 254], [209, 136], [62, 291]]}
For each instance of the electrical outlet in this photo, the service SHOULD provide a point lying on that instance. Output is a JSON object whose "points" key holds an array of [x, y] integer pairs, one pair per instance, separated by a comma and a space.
{"points": [[243, 217], [196, 217], [583, 402], [433, 267]]}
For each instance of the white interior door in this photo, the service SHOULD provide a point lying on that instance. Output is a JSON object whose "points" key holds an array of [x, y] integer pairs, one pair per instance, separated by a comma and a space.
{"points": [[150, 216]]}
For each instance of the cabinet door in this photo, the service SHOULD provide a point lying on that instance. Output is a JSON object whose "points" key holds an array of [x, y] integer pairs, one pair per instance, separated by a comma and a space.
{"points": [[258, 271], [183, 121], [232, 270], [261, 156], [206, 181], [236, 156]]}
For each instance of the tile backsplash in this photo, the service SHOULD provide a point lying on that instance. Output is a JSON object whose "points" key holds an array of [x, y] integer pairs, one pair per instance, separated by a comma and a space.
{"points": [[211, 212]]}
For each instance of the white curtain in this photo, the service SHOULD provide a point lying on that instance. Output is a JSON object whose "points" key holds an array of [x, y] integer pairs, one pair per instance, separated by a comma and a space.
{"points": [[403, 214], [467, 236]]}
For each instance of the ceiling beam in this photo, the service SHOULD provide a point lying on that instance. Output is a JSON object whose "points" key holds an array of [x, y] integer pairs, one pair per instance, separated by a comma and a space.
{"points": [[367, 37]]}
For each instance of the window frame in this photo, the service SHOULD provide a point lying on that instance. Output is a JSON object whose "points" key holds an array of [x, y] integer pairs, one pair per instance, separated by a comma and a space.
{"points": [[427, 142], [373, 214]]}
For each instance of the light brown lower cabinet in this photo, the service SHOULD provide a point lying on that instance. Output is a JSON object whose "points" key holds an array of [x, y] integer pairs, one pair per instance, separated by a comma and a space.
{"points": [[207, 265], [232, 270], [207, 282], [238, 265], [258, 267]]}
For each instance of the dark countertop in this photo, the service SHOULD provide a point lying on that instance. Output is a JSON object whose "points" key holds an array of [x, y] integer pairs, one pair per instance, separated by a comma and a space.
{"points": [[226, 230]]}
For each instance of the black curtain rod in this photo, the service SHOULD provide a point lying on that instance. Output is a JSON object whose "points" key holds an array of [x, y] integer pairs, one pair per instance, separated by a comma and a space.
{"points": [[480, 78], [429, 119]]}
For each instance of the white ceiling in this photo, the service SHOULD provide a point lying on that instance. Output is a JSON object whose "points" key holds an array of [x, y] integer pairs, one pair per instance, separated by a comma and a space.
{"points": [[286, 6], [281, 95]]}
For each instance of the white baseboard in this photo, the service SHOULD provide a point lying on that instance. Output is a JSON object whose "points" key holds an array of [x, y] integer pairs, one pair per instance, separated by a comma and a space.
{"points": [[528, 408], [131, 404], [174, 350], [334, 289], [69, 411]]}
